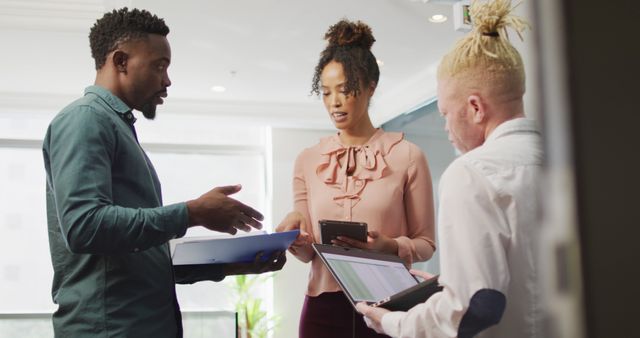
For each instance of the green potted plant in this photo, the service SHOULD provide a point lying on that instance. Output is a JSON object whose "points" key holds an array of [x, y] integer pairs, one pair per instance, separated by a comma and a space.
{"points": [[253, 320]]}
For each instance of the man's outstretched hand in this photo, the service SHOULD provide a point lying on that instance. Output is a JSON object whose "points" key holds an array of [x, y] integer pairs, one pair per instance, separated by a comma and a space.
{"points": [[216, 211]]}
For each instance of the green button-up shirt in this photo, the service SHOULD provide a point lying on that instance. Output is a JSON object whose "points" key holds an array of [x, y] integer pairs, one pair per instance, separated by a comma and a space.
{"points": [[108, 230]]}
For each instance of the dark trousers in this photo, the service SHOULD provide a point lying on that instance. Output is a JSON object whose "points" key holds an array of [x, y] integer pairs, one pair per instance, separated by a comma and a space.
{"points": [[331, 315]]}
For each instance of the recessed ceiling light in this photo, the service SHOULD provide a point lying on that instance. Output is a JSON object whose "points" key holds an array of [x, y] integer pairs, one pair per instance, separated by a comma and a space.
{"points": [[438, 18], [380, 62], [218, 89]]}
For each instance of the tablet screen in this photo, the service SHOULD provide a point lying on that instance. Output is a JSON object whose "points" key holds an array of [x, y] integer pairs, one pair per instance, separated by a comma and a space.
{"points": [[370, 280]]}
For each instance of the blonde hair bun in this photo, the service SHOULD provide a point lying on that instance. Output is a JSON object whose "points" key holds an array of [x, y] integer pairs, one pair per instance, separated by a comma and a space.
{"points": [[486, 50], [494, 17]]}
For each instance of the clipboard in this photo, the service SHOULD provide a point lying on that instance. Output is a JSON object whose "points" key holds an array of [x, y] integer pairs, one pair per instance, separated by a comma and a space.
{"points": [[229, 249]]}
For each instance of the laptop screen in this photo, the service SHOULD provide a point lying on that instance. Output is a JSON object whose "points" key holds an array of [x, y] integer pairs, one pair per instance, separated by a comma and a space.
{"points": [[370, 280]]}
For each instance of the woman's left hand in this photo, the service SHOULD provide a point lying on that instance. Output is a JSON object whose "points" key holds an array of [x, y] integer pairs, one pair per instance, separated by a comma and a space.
{"points": [[375, 241]]}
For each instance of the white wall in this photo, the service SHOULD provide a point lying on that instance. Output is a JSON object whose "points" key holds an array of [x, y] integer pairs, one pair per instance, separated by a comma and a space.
{"points": [[425, 128], [290, 284]]}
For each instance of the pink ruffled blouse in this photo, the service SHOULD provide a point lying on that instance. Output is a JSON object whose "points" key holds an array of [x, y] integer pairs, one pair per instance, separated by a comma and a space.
{"points": [[385, 183]]}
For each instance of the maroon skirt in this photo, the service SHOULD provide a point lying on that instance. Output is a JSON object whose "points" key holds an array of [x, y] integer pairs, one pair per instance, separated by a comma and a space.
{"points": [[331, 315]]}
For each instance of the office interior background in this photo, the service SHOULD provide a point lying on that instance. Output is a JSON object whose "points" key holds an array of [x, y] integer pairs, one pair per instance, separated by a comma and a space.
{"points": [[239, 111]]}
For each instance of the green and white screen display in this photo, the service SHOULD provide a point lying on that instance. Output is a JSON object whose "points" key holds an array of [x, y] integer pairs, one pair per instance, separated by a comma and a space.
{"points": [[368, 279]]}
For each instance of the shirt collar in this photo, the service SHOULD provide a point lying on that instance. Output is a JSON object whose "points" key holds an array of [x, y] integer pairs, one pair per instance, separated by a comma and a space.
{"points": [[380, 141], [113, 101], [516, 125]]}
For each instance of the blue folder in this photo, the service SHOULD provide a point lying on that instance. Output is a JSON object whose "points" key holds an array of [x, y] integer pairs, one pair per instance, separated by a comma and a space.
{"points": [[240, 249]]}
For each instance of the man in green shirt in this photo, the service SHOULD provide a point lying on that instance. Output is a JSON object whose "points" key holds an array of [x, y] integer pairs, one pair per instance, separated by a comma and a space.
{"points": [[108, 229]]}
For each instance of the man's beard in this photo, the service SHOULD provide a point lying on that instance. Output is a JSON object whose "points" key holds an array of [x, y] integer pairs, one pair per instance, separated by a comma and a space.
{"points": [[149, 110]]}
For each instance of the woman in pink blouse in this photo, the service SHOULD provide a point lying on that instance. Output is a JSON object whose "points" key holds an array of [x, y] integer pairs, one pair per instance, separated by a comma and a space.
{"points": [[360, 174]]}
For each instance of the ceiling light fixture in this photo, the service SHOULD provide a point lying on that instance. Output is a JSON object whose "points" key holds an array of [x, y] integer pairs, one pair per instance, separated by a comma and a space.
{"points": [[438, 18], [218, 89]]}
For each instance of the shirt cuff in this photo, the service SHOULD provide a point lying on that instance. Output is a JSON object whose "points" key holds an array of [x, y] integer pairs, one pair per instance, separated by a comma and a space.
{"points": [[189, 274], [391, 323], [179, 216]]}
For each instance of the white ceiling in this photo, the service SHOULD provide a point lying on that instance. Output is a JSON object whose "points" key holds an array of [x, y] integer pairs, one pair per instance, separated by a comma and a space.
{"points": [[263, 51]]}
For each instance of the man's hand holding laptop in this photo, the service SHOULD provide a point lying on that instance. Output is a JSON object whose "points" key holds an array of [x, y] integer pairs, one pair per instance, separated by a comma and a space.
{"points": [[373, 315]]}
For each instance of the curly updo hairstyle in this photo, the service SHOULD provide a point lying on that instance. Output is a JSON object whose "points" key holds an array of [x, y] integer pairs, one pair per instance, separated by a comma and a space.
{"points": [[349, 43], [121, 26]]}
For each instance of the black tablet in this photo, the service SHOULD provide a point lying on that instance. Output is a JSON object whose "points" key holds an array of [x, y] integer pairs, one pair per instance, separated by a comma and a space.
{"points": [[330, 229]]}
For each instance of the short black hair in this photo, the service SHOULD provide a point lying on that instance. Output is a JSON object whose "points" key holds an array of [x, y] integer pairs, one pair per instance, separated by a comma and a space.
{"points": [[119, 26], [349, 43]]}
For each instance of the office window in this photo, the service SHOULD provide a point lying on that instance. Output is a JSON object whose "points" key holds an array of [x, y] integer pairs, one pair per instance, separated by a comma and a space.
{"points": [[25, 263], [186, 171], [188, 175]]}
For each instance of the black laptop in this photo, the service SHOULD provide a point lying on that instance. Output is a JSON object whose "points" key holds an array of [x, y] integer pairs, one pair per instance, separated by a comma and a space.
{"points": [[375, 278]]}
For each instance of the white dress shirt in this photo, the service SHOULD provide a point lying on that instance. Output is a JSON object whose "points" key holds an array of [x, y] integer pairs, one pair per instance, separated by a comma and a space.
{"points": [[488, 224]]}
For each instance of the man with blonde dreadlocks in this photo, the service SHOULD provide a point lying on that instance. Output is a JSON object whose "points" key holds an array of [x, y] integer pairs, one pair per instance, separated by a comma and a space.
{"points": [[488, 217]]}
